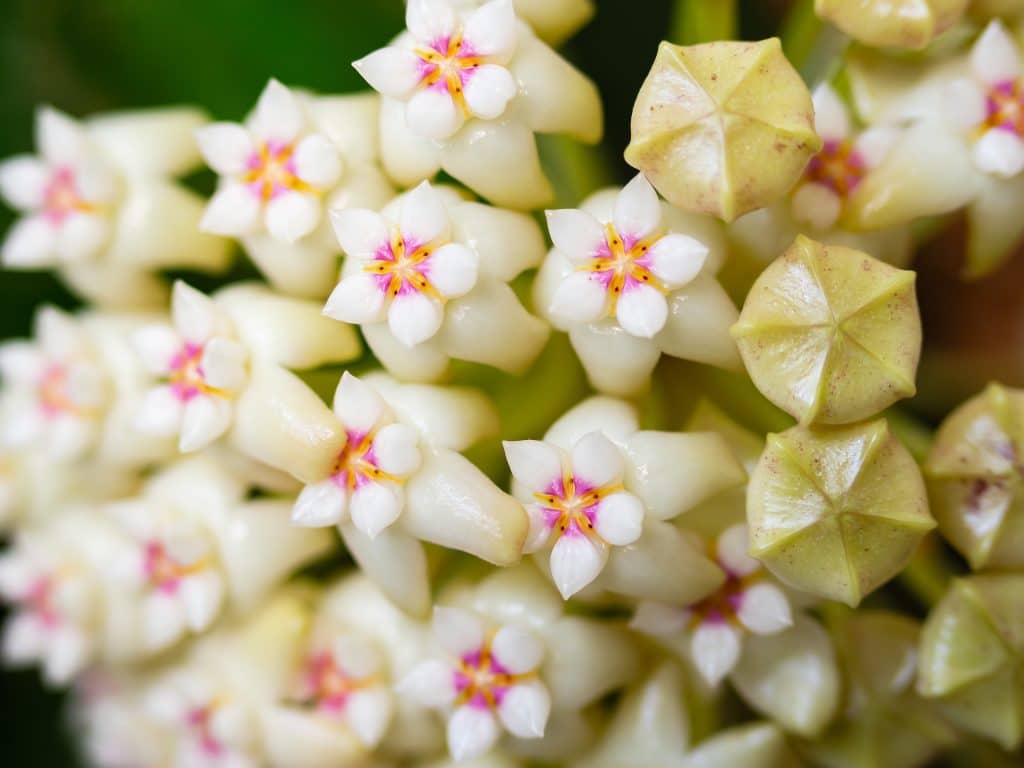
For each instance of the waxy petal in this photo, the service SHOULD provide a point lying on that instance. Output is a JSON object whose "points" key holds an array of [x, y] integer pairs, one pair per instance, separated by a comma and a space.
{"points": [[196, 316], [23, 181], [637, 209], [535, 464], [459, 632], [715, 648], [80, 236], [471, 732], [539, 532], [223, 364], [831, 118], [357, 299], [432, 113], [817, 206], [965, 103], [873, 145], [430, 684], [358, 405], [317, 161], [24, 639], [205, 419], [320, 504], [641, 311], [414, 317], [517, 650], [67, 655], [453, 270], [764, 609], [375, 506], [677, 259], [291, 216], [391, 71], [578, 235], [576, 561], [999, 152], [596, 461], [356, 657], [579, 298], [60, 139], [620, 518], [360, 232], [429, 21], [160, 413], [226, 147], [491, 30], [279, 116], [424, 216], [488, 91], [396, 450], [233, 211], [202, 595], [731, 551], [30, 242], [994, 57], [368, 713], [524, 710], [163, 620]]}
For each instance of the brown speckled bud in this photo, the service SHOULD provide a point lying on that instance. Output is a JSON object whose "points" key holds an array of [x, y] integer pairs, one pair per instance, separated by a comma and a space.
{"points": [[830, 334], [971, 652], [974, 474], [722, 128], [892, 23], [836, 511]]}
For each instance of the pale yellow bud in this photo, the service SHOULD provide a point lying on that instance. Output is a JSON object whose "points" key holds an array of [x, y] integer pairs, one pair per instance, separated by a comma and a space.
{"points": [[892, 23]]}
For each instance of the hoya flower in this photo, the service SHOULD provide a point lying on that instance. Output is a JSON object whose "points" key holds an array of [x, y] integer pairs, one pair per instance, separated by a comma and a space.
{"points": [[100, 203], [294, 157], [427, 279], [628, 282], [489, 681], [55, 390], [465, 89], [115, 730]]}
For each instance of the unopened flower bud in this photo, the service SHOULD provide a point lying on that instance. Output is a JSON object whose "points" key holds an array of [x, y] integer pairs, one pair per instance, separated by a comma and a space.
{"points": [[885, 24], [830, 334], [722, 128], [836, 511]]}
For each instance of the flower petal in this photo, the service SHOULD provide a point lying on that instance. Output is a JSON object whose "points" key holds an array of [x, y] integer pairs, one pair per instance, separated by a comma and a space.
{"points": [[202, 595], [375, 506], [576, 561], [70, 436], [358, 405], [424, 217], [596, 461], [357, 299], [226, 147], [816, 206], [873, 145], [205, 419], [578, 235], [160, 413], [67, 654], [731, 551], [396, 450], [31, 242], [965, 104], [535, 464], [430, 684], [999, 152], [196, 316], [659, 619], [429, 20], [620, 518], [61, 140], [432, 113], [452, 270], [414, 317], [491, 30], [23, 181], [641, 311], [579, 298], [319, 504], [831, 118], [524, 710], [361, 232], [80, 236], [637, 209], [715, 648], [233, 211], [488, 90], [539, 531], [291, 216], [368, 713], [279, 116], [317, 161], [391, 71], [21, 363], [471, 732], [357, 658], [156, 345], [676, 259], [459, 632], [994, 57], [223, 364], [765, 610], [24, 639], [517, 650], [163, 620]]}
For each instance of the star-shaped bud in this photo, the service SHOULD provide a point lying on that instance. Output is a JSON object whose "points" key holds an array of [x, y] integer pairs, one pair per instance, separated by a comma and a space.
{"points": [[366, 481], [275, 170], [488, 682], [202, 368], [55, 392], [748, 602], [884, 24], [624, 268], [452, 69], [410, 267], [579, 501]]}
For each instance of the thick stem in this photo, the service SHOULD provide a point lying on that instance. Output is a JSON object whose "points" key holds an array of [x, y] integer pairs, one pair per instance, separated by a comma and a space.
{"points": [[703, 21]]}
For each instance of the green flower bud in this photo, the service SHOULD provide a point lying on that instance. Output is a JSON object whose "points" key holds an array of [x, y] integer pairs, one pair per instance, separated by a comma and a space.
{"points": [[888, 24], [722, 128], [830, 334], [836, 511], [974, 473], [971, 652], [884, 722]]}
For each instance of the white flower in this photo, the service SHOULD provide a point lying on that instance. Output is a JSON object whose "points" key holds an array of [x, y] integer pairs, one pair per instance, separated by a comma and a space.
{"points": [[989, 104], [834, 174], [747, 602], [410, 267], [66, 195], [368, 474], [55, 391], [489, 680], [579, 500], [203, 367], [452, 69], [275, 170]]}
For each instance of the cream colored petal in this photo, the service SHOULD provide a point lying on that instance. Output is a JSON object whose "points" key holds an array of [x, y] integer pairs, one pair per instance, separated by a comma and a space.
{"points": [[395, 562], [616, 362]]}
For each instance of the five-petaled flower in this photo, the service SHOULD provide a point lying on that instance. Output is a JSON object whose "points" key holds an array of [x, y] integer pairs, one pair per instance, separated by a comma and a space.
{"points": [[622, 268], [579, 500], [492, 676], [410, 267], [451, 69], [367, 477], [275, 170], [747, 602], [202, 368]]}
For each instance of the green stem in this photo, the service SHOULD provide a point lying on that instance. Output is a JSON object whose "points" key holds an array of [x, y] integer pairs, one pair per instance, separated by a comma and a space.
{"points": [[929, 572], [811, 45], [703, 21]]}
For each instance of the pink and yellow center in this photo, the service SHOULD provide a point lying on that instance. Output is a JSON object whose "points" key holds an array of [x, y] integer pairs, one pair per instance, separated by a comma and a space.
{"points": [[54, 397], [401, 265], [570, 504], [356, 465], [271, 172], [199, 722], [61, 197], [838, 166], [623, 263], [163, 571], [186, 377], [724, 604], [40, 602], [1004, 108], [448, 63], [325, 685], [481, 681]]}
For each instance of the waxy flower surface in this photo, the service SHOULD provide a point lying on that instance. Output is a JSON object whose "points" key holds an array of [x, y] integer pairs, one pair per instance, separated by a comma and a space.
{"points": [[488, 682]]}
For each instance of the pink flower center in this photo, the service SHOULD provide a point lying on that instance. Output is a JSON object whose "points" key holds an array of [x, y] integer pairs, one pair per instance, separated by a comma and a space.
{"points": [[724, 604], [571, 505], [326, 687], [356, 465], [837, 166], [402, 265], [39, 601], [54, 398], [623, 262], [198, 720], [447, 64], [186, 376], [271, 171], [163, 571], [1004, 108], [481, 681], [61, 197]]}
